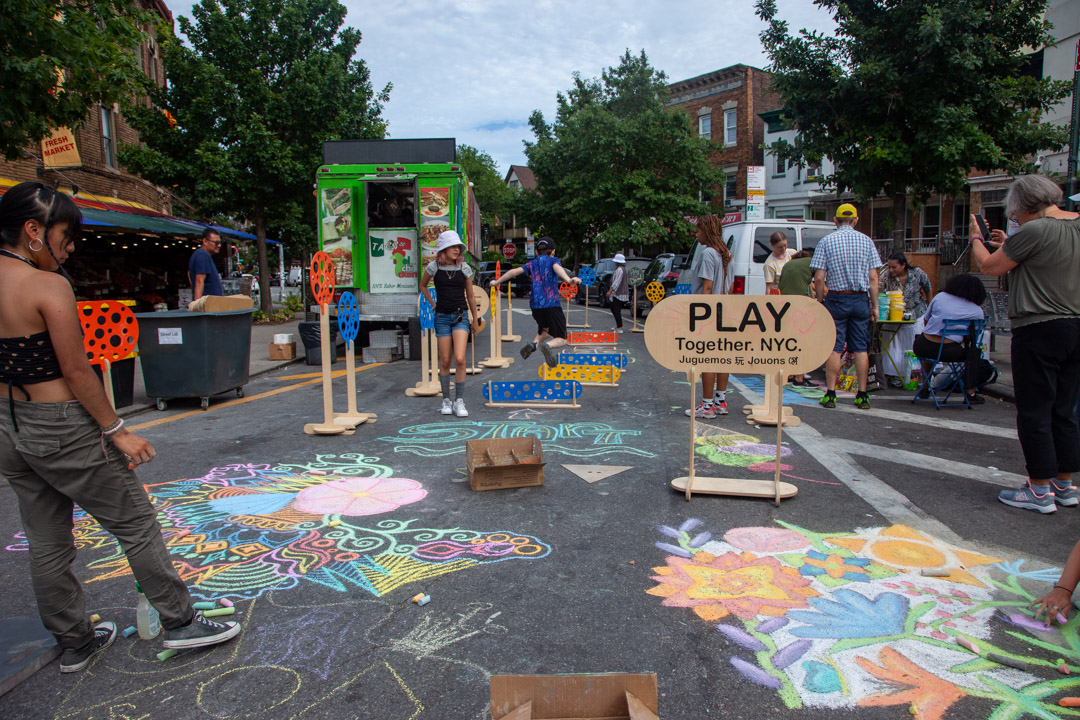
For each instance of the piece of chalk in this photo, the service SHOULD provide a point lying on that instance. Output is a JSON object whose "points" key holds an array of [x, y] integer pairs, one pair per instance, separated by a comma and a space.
{"points": [[205, 605], [1001, 659], [968, 644], [334, 523], [95, 618], [424, 600], [1062, 619], [225, 602], [166, 654], [316, 472], [417, 597], [130, 631], [219, 612], [1069, 702], [936, 572], [183, 533], [1063, 669]]}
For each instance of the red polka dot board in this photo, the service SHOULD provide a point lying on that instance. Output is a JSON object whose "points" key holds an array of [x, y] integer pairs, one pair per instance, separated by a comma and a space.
{"points": [[532, 393], [593, 338], [322, 278], [110, 330], [568, 290]]}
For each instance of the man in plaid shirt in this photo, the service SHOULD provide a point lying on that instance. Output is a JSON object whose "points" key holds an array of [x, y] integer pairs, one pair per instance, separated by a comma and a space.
{"points": [[848, 262]]}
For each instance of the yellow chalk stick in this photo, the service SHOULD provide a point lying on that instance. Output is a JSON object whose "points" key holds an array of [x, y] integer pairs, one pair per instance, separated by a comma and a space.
{"points": [[95, 618]]}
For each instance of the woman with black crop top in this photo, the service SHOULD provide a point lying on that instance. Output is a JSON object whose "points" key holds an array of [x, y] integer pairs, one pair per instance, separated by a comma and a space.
{"points": [[454, 306], [61, 442]]}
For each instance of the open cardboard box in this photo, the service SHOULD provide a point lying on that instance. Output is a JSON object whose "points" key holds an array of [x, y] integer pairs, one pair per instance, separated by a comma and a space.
{"points": [[605, 696], [216, 303], [504, 463]]}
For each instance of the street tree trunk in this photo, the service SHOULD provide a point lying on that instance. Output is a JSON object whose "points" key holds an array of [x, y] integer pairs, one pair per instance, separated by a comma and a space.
{"points": [[265, 303]]}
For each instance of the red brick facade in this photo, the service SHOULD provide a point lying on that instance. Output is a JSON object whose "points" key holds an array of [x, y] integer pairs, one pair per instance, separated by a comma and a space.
{"points": [[743, 89]]}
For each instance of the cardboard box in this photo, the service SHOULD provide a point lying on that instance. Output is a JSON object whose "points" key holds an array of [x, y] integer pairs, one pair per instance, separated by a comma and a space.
{"points": [[504, 463], [282, 351], [607, 696], [215, 303]]}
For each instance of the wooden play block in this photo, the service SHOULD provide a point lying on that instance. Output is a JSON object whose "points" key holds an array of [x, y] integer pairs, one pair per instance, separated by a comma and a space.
{"points": [[593, 338], [595, 473], [735, 486]]}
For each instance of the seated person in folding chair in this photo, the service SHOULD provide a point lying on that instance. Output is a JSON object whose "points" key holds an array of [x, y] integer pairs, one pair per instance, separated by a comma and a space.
{"points": [[961, 300]]}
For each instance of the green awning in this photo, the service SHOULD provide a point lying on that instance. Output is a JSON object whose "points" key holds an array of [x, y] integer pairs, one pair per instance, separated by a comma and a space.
{"points": [[136, 222]]}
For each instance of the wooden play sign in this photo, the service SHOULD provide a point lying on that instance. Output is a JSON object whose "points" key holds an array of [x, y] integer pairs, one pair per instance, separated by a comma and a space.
{"points": [[348, 317], [776, 335], [110, 333], [322, 289]]}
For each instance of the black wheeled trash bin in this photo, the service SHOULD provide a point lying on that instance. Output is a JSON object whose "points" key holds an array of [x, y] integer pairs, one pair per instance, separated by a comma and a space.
{"points": [[312, 339], [194, 354]]}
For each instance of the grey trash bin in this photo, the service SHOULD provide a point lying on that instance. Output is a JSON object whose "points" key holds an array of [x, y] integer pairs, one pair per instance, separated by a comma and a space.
{"points": [[192, 354]]}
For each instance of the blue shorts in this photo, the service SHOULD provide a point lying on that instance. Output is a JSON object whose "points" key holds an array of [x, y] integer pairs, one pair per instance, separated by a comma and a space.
{"points": [[851, 313], [447, 323]]}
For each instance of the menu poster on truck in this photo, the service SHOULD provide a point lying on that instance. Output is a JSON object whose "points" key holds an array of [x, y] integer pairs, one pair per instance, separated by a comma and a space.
{"points": [[392, 266], [434, 220], [337, 232]]}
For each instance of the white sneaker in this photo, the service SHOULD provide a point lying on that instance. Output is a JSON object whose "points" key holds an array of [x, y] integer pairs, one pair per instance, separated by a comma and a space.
{"points": [[459, 408], [447, 407], [702, 411], [720, 407]]}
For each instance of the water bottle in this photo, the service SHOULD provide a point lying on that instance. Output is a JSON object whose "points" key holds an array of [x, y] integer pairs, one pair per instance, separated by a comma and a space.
{"points": [[147, 618]]}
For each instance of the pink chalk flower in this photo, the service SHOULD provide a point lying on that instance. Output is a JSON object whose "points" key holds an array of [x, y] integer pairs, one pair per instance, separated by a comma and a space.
{"points": [[359, 496]]}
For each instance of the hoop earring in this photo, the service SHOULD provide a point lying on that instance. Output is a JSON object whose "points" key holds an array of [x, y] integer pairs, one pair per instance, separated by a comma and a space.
{"points": [[41, 246]]}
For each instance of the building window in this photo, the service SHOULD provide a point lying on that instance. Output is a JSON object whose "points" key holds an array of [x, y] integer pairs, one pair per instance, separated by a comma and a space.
{"points": [[779, 165], [729, 127], [813, 172], [704, 126], [931, 221], [730, 185], [960, 218], [108, 136]]}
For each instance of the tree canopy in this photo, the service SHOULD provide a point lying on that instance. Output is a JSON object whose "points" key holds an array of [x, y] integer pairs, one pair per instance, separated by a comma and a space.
{"points": [[492, 193], [92, 42], [911, 95], [261, 86], [615, 165]]}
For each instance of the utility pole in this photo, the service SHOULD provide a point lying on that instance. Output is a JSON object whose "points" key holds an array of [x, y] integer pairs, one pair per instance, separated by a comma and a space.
{"points": [[1074, 132]]}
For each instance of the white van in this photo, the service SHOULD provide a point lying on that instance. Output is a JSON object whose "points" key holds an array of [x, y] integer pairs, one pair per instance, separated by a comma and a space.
{"points": [[748, 241]]}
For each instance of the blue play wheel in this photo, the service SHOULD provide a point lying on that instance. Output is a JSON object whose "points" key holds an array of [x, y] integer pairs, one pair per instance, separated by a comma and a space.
{"points": [[587, 276], [348, 316]]}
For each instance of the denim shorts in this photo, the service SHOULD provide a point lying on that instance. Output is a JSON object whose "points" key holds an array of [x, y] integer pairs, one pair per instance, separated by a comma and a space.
{"points": [[447, 323]]}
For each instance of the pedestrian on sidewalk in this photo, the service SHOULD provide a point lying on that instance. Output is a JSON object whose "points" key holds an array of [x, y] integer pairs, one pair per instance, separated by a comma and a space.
{"points": [[619, 292], [710, 275], [455, 315], [848, 261], [545, 271], [62, 444], [202, 272], [1042, 259]]}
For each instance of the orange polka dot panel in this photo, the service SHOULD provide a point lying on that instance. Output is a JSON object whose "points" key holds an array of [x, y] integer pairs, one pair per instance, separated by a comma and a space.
{"points": [[568, 290], [110, 330], [322, 277]]}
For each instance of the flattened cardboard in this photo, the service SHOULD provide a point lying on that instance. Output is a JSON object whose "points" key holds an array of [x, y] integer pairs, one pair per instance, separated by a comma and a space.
{"points": [[215, 303], [604, 696], [283, 351], [504, 463]]}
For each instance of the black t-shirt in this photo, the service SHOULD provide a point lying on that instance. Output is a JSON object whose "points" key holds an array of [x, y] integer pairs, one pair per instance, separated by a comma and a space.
{"points": [[449, 286]]}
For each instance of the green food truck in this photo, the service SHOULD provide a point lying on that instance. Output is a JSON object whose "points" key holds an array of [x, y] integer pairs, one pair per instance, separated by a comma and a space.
{"points": [[381, 206]]}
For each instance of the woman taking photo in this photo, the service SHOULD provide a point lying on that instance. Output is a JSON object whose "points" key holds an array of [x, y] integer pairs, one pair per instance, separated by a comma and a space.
{"points": [[454, 306], [62, 444], [1042, 259], [915, 285]]}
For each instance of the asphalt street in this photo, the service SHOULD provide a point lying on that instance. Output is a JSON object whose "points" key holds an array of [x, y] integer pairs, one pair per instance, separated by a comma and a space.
{"points": [[817, 608]]}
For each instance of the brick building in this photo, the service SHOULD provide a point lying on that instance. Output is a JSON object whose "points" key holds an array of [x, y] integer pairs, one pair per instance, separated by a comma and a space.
{"points": [[725, 106]]}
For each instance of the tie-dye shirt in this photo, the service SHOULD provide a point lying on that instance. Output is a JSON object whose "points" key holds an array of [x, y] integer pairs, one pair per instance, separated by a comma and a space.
{"points": [[545, 283]]}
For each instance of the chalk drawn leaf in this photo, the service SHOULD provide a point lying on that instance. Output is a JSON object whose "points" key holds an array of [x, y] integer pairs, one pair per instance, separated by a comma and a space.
{"points": [[852, 615], [821, 678], [908, 684], [252, 503], [359, 496], [755, 674]]}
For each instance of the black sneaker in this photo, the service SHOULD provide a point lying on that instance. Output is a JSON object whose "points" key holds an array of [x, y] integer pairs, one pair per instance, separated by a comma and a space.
{"points": [[527, 351], [862, 401], [200, 632], [75, 660], [550, 357], [828, 400]]}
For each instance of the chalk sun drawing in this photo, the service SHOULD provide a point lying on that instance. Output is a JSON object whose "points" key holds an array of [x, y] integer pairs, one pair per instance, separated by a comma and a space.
{"points": [[583, 439], [827, 620], [244, 529]]}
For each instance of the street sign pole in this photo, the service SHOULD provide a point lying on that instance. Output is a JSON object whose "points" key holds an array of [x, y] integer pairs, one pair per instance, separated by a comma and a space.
{"points": [[1074, 132]]}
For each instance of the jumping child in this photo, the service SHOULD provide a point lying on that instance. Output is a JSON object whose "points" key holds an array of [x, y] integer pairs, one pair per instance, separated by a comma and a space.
{"points": [[454, 307]]}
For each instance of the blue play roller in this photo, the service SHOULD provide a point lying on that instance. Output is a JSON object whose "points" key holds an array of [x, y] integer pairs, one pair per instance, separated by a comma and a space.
{"points": [[533, 390], [619, 360]]}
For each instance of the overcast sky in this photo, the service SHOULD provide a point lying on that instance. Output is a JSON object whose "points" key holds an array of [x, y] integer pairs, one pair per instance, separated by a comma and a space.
{"points": [[476, 69]]}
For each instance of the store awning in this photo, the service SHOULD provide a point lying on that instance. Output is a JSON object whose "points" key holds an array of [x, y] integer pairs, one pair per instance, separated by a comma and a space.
{"points": [[139, 222]]}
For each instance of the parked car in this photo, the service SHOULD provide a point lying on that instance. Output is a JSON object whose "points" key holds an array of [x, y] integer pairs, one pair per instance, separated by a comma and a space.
{"points": [[604, 270], [665, 269], [485, 275]]}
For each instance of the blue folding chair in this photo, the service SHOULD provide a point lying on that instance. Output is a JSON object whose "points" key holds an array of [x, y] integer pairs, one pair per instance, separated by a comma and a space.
{"points": [[948, 378]]}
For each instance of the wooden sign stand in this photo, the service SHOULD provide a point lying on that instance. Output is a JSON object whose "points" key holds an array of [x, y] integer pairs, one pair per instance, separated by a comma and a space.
{"points": [[510, 336], [429, 363], [482, 304], [496, 359], [348, 324], [636, 329], [766, 413], [112, 319], [773, 335], [322, 287]]}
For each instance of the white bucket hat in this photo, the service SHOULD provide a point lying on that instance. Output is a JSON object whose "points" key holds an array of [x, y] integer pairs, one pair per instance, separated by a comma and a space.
{"points": [[620, 258], [447, 239]]}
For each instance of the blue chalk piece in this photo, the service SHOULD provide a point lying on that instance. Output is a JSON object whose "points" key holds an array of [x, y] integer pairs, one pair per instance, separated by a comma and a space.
{"points": [[130, 631], [210, 605], [424, 600]]}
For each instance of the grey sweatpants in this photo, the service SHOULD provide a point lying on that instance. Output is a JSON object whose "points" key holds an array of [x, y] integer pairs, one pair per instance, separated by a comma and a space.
{"points": [[54, 462]]}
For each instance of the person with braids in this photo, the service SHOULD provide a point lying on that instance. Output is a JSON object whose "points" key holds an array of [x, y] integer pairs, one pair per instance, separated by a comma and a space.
{"points": [[62, 444], [709, 275]]}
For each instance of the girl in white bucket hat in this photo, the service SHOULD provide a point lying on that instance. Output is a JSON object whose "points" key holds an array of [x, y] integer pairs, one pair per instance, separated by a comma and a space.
{"points": [[453, 310]]}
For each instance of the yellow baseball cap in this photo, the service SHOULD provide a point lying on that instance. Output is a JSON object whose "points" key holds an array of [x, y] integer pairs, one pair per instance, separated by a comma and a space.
{"points": [[847, 210]]}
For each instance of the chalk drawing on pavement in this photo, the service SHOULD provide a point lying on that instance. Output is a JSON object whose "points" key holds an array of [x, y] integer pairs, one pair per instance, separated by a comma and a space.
{"points": [[244, 529], [582, 439], [831, 619]]}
